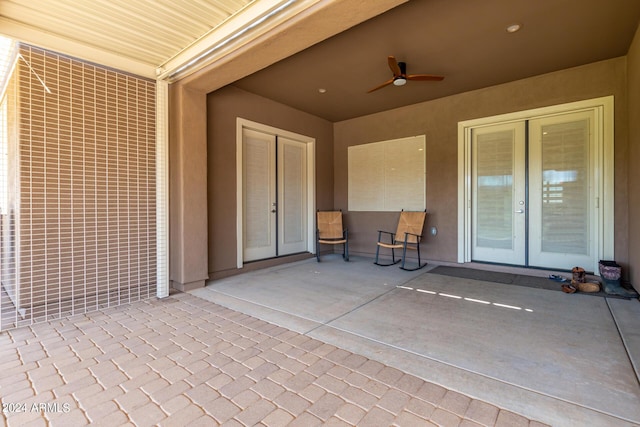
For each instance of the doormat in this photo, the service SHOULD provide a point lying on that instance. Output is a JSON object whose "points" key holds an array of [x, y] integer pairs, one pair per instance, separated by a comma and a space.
{"points": [[511, 279]]}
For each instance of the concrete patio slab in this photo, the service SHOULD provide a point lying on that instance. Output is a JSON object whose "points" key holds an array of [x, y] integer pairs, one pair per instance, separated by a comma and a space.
{"points": [[319, 292], [626, 314], [551, 356]]}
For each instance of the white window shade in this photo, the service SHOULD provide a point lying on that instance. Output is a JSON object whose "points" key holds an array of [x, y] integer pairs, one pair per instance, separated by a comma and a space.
{"points": [[494, 166], [565, 187], [388, 175]]}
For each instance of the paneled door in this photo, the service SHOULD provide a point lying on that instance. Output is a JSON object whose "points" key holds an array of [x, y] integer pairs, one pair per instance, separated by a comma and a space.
{"points": [[499, 196], [274, 195]]}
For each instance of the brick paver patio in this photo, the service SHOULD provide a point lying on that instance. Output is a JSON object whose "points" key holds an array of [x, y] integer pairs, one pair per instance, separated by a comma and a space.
{"points": [[186, 361]]}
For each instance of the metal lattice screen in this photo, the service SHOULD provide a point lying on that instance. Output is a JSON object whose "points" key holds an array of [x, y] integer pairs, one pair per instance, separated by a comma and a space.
{"points": [[79, 222]]}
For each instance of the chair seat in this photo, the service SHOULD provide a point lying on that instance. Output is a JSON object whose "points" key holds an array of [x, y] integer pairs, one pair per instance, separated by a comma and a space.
{"points": [[390, 245], [396, 245], [332, 242]]}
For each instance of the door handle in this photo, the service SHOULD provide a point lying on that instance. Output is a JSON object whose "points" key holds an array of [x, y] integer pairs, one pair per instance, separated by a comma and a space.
{"points": [[520, 211]]}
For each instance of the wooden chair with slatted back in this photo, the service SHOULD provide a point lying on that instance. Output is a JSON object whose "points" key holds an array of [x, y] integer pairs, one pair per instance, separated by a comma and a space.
{"points": [[408, 235], [331, 232]]}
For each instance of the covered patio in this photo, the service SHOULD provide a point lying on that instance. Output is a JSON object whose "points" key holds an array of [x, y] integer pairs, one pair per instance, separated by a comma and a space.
{"points": [[117, 304], [563, 359]]}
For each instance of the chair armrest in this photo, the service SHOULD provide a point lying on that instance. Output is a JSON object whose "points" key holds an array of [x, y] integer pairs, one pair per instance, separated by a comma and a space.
{"points": [[418, 236], [385, 232]]}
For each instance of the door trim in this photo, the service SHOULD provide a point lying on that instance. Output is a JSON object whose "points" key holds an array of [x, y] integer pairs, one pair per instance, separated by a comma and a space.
{"points": [[311, 184], [603, 109]]}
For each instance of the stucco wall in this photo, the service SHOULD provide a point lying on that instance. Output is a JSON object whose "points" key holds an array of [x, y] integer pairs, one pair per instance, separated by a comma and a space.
{"points": [[223, 107], [438, 120], [633, 64]]}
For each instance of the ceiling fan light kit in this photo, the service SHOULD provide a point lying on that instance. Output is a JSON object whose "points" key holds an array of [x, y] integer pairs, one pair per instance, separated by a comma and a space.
{"points": [[513, 28], [400, 76]]}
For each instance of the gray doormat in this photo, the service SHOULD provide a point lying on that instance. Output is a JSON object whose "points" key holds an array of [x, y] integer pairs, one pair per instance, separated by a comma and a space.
{"points": [[510, 279]]}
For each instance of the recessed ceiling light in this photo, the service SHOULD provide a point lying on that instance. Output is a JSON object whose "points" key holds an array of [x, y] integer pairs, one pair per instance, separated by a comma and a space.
{"points": [[513, 28], [322, 90]]}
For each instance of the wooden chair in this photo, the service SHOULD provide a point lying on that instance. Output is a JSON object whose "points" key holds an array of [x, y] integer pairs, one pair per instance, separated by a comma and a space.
{"points": [[330, 232], [407, 236]]}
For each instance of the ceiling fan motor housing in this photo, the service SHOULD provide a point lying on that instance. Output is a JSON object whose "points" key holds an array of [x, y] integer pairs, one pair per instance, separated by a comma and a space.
{"points": [[401, 80]]}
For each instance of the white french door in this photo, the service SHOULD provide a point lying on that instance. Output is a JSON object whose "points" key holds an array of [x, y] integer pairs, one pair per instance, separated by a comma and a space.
{"points": [[533, 192], [259, 194], [274, 195], [499, 189], [563, 203], [292, 196]]}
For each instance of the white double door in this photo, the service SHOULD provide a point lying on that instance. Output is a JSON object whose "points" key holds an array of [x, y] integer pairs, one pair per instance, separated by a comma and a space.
{"points": [[534, 202], [274, 193]]}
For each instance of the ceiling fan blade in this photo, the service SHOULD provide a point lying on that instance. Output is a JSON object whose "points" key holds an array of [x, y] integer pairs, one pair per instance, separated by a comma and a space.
{"points": [[395, 68], [424, 77], [388, 82]]}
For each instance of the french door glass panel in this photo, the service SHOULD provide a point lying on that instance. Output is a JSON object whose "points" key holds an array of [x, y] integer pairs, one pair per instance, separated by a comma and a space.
{"points": [[259, 195], [292, 196], [498, 179], [561, 191]]}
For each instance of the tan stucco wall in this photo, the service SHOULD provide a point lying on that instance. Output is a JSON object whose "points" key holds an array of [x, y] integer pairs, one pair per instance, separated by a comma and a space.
{"points": [[438, 120], [633, 71], [223, 108], [188, 188]]}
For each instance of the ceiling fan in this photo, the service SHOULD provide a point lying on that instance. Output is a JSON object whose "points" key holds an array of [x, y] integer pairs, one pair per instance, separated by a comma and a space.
{"points": [[400, 75]]}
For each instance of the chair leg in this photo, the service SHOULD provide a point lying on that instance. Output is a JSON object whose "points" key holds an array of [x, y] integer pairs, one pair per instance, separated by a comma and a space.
{"points": [[404, 254], [317, 250], [393, 254], [393, 258], [419, 266], [345, 246]]}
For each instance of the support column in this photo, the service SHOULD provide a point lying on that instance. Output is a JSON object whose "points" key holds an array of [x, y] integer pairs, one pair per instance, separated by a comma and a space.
{"points": [[188, 188]]}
